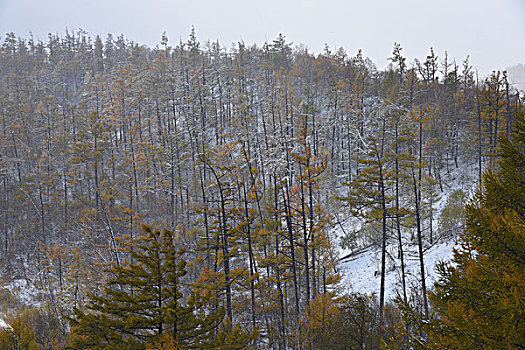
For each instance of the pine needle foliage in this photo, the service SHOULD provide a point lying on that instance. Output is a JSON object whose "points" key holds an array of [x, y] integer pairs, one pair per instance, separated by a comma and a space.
{"points": [[144, 301]]}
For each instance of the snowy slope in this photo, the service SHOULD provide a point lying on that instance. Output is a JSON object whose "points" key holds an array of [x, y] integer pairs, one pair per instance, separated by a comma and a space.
{"points": [[361, 273], [361, 269]]}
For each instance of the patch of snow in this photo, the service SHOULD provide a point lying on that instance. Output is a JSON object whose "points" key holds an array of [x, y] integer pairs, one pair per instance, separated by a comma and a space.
{"points": [[362, 272], [4, 325], [24, 291]]}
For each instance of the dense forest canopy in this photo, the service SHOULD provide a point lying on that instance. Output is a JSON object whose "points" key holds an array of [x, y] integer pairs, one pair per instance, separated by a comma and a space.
{"points": [[244, 154]]}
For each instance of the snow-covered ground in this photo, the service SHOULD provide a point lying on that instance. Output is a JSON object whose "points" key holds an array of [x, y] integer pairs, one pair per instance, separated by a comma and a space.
{"points": [[362, 272], [4, 325], [361, 268], [25, 291], [15, 293]]}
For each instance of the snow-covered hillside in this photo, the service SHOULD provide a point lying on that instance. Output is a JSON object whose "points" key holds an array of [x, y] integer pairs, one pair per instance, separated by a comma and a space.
{"points": [[362, 271], [361, 268]]}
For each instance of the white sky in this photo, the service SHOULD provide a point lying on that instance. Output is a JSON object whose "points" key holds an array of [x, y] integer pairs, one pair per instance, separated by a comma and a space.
{"points": [[492, 32]]}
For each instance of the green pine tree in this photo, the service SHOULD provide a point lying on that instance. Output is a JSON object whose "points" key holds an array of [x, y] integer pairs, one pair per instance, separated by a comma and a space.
{"points": [[368, 195], [144, 301]]}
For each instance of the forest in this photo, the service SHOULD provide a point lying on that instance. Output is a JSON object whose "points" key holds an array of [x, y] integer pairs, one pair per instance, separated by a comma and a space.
{"points": [[185, 196]]}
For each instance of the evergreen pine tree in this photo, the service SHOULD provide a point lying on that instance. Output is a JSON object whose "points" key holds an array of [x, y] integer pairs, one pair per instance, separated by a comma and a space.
{"points": [[144, 301], [368, 196]]}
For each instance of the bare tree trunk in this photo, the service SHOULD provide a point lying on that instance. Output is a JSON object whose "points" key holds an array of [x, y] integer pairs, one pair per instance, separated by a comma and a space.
{"points": [[398, 225], [250, 254], [479, 138], [305, 237], [383, 253], [225, 248], [417, 194], [278, 271], [312, 236], [384, 232], [292, 248]]}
